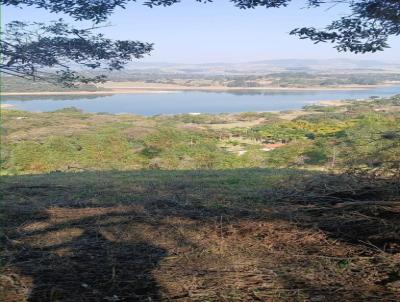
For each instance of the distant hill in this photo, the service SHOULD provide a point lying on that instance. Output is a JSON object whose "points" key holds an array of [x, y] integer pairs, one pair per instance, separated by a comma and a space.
{"points": [[268, 66]]}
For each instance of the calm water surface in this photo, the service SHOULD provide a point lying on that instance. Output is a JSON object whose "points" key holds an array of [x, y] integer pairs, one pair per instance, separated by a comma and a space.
{"points": [[193, 101]]}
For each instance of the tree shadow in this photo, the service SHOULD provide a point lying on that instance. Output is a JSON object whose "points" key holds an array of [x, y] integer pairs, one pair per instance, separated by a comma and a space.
{"points": [[87, 237], [85, 265]]}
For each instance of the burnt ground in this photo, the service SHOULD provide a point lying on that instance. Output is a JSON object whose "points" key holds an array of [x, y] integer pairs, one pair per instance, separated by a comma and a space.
{"points": [[239, 235]]}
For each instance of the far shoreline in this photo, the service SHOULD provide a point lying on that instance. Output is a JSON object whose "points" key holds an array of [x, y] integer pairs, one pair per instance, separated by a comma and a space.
{"points": [[111, 90]]}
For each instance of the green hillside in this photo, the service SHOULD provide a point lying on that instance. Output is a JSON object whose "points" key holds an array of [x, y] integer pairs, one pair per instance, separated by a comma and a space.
{"points": [[292, 206]]}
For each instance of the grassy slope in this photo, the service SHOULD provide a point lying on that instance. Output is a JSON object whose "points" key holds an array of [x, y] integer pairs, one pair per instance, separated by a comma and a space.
{"points": [[318, 138], [232, 235], [254, 234]]}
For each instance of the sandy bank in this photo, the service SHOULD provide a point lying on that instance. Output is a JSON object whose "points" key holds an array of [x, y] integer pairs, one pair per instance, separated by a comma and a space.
{"points": [[142, 88]]}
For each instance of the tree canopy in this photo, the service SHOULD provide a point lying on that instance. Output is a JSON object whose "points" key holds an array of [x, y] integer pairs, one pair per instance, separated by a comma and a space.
{"points": [[30, 49], [49, 52]]}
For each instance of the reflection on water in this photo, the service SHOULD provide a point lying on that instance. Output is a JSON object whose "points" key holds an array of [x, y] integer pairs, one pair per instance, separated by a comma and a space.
{"points": [[193, 101]]}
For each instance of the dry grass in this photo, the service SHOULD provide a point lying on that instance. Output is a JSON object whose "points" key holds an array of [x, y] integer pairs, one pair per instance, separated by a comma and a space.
{"points": [[197, 236]]}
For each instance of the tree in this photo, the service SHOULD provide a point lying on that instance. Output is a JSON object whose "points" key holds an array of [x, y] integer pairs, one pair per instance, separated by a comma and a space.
{"points": [[58, 46], [366, 29], [48, 52]]}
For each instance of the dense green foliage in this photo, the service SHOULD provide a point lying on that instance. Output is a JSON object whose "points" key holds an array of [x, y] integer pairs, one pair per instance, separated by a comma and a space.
{"points": [[358, 134]]}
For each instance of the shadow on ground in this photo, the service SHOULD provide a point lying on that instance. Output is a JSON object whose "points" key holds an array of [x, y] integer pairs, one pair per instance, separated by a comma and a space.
{"points": [[235, 235]]}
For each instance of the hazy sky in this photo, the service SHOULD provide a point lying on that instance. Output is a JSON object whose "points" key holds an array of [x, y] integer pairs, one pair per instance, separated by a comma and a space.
{"points": [[191, 32]]}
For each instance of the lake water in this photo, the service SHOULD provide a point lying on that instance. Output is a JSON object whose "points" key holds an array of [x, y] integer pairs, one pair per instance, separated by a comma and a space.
{"points": [[193, 101]]}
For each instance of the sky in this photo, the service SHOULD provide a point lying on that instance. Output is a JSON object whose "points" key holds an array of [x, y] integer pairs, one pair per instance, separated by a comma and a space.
{"points": [[192, 32]]}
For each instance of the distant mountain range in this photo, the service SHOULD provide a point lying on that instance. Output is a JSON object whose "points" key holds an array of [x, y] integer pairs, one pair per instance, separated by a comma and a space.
{"points": [[269, 66]]}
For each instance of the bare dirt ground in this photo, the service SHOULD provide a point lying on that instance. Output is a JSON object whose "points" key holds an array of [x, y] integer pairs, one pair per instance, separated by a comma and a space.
{"points": [[239, 235]]}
